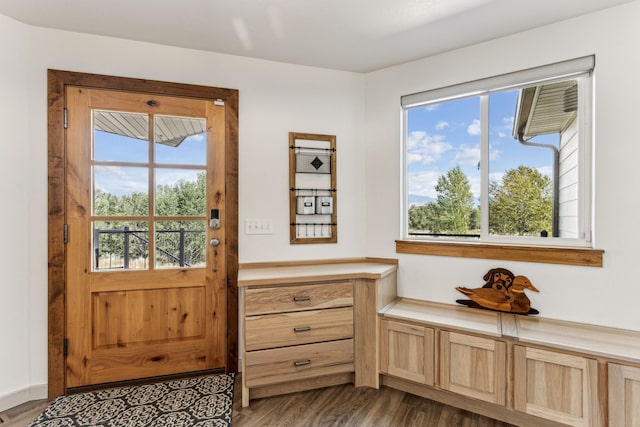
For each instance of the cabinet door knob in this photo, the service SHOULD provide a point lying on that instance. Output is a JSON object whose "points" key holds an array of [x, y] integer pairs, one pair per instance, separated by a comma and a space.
{"points": [[302, 363], [301, 299], [304, 329]]}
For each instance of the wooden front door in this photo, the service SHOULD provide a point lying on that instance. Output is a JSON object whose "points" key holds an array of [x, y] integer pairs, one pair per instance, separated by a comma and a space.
{"points": [[146, 268]]}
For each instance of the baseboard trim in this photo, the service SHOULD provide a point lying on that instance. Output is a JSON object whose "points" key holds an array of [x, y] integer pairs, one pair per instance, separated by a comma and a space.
{"points": [[491, 410], [35, 392]]}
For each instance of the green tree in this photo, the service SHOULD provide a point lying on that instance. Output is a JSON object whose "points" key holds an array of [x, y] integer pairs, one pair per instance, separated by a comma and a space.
{"points": [[183, 199], [455, 201], [522, 204], [424, 218], [452, 212], [474, 221]]}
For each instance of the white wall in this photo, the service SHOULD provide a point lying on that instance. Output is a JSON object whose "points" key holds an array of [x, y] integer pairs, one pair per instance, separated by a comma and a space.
{"points": [[364, 113], [275, 99], [16, 260], [606, 296]]}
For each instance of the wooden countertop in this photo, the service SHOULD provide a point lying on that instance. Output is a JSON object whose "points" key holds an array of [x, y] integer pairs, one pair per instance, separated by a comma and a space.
{"points": [[316, 272], [597, 341], [444, 315]]}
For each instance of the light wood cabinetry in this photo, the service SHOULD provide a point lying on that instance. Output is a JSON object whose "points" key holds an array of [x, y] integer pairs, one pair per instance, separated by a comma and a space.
{"points": [[285, 339], [556, 386], [311, 325], [285, 364], [408, 351], [473, 366], [523, 370], [624, 395]]}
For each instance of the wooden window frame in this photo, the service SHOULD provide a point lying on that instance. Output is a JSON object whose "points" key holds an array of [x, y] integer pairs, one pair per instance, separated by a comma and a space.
{"points": [[57, 81], [542, 254]]}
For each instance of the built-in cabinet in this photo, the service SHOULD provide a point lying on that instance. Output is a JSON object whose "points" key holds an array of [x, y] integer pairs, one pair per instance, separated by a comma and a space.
{"points": [[408, 351], [524, 371], [624, 395], [319, 324], [311, 325], [473, 366], [298, 332], [556, 386]]}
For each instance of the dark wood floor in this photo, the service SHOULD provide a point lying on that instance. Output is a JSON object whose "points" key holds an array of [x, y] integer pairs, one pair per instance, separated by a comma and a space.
{"points": [[333, 406]]}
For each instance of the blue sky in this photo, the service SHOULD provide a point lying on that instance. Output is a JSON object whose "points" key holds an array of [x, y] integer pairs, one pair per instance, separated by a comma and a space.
{"points": [[121, 180], [443, 136]]}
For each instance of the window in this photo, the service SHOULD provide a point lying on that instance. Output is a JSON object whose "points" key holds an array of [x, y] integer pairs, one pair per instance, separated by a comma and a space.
{"points": [[504, 159]]}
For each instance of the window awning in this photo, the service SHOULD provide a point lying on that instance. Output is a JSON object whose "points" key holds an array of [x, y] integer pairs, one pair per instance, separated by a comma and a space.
{"points": [[545, 109], [169, 130]]}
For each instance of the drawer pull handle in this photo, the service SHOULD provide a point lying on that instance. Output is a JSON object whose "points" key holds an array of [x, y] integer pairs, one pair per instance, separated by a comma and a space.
{"points": [[302, 363], [305, 329], [301, 299]]}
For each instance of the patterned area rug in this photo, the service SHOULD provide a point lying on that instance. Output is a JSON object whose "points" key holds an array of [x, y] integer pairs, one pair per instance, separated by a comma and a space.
{"points": [[199, 402]]}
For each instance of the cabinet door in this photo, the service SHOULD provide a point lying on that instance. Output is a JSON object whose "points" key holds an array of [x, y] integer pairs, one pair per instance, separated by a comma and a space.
{"points": [[556, 386], [407, 351], [624, 396], [473, 366]]}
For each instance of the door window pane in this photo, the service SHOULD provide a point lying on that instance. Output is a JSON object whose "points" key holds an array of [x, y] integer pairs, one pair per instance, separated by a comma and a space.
{"points": [[180, 244], [120, 191], [119, 245], [180, 192], [180, 140], [120, 137]]}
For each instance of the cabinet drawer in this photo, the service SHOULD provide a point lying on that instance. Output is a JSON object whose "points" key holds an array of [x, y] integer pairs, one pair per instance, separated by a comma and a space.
{"points": [[278, 330], [297, 298], [303, 361]]}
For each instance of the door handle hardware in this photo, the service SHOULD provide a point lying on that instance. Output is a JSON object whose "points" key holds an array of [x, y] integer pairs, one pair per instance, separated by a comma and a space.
{"points": [[215, 242], [301, 299], [304, 329], [302, 363]]}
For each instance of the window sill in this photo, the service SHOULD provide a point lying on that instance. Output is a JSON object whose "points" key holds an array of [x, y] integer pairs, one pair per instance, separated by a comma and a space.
{"points": [[543, 254]]}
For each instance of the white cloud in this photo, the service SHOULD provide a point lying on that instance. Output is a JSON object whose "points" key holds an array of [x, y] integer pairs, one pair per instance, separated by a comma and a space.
{"points": [[508, 122], [441, 125], [121, 180], [432, 107], [468, 155], [474, 128], [423, 183], [415, 138], [546, 170], [424, 148], [496, 176], [413, 158], [173, 176], [474, 183]]}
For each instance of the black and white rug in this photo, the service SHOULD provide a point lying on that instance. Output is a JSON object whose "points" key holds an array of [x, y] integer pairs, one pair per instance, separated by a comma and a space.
{"points": [[199, 402]]}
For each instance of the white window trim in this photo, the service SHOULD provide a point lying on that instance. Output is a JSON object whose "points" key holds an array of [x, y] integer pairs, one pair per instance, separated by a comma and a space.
{"points": [[579, 67]]}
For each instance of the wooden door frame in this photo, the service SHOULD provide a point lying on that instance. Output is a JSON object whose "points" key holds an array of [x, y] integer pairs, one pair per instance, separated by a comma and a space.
{"points": [[57, 81]]}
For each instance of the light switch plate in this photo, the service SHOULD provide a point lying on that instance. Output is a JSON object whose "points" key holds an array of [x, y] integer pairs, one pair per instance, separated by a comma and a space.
{"points": [[258, 226]]}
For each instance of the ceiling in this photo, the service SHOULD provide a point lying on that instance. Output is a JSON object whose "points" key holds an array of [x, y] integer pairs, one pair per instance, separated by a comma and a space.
{"points": [[350, 35]]}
